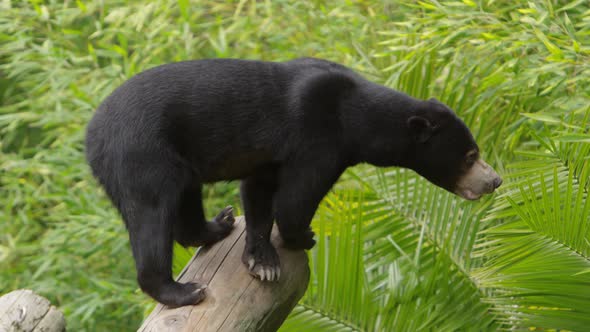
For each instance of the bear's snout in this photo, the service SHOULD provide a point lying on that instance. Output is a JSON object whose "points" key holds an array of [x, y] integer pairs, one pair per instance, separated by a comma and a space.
{"points": [[479, 180]]}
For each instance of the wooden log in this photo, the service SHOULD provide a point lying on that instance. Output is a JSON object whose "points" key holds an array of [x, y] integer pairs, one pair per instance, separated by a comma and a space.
{"points": [[235, 300], [24, 311]]}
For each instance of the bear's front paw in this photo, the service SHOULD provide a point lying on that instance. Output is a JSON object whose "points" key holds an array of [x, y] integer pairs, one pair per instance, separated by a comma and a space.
{"points": [[262, 261], [301, 241]]}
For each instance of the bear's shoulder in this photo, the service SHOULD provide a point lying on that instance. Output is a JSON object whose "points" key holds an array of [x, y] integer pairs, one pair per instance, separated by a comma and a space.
{"points": [[318, 81]]}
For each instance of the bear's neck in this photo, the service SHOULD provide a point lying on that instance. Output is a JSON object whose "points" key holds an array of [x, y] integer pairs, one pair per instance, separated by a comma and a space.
{"points": [[378, 123]]}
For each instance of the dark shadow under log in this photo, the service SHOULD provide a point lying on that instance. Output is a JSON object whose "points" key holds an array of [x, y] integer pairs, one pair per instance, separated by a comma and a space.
{"points": [[235, 300]]}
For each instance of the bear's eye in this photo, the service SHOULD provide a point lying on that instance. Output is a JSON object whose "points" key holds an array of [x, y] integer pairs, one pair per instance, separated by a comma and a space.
{"points": [[471, 157]]}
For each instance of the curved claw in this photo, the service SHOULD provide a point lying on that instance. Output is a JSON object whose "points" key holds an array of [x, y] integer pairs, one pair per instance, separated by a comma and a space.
{"points": [[250, 263], [261, 274]]}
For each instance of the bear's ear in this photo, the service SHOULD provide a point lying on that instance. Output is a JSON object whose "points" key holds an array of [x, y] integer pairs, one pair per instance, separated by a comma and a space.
{"points": [[420, 128]]}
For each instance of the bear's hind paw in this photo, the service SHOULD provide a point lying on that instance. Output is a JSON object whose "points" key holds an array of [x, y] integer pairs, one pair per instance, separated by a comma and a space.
{"points": [[226, 216]]}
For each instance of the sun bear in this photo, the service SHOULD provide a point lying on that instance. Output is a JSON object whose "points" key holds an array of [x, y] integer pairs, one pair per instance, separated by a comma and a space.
{"points": [[287, 130]]}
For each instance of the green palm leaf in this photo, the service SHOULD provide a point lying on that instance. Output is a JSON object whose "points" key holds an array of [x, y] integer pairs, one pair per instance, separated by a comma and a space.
{"points": [[537, 249], [384, 266]]}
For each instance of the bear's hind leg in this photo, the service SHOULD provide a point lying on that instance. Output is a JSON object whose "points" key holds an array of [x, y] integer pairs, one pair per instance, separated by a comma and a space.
{"points": [[191, 228], [149, 195], [260, 257], [150, 233]]}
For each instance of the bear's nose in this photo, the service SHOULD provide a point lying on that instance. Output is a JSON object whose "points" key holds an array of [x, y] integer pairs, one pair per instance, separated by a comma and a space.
{"points": [[497, 182]]}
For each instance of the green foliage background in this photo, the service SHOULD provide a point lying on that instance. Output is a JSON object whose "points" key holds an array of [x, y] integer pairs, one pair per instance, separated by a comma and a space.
{"points": [[394, 252]]}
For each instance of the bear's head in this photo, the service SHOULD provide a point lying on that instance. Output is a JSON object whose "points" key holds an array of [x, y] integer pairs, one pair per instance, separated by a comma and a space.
{"points": [[445, 153]]}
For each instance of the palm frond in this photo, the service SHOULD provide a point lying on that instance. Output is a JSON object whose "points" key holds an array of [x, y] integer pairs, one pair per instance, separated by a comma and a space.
{"points": [[536, 250], [380, 266]]}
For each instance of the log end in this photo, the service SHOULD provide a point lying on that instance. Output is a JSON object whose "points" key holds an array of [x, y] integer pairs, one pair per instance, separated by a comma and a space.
{"points": [[24, 311]]}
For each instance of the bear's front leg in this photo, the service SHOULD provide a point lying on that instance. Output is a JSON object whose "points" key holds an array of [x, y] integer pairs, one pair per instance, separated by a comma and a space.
{"points": [[302, 186], [260, 257]]}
